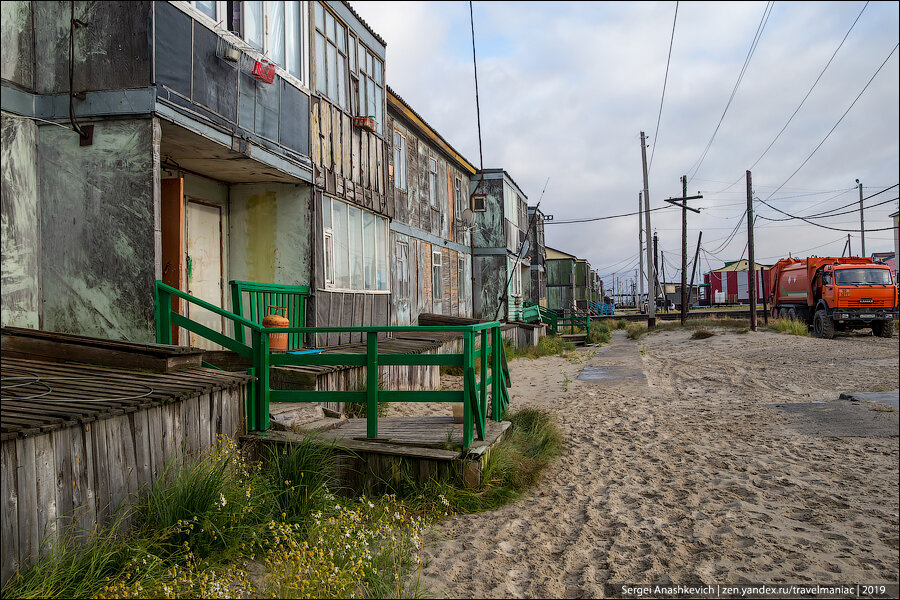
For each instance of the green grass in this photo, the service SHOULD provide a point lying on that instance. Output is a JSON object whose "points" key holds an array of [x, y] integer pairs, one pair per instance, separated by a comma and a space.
{"points": [[635, 331], [789, 326], [512, 467], [547, 345]]}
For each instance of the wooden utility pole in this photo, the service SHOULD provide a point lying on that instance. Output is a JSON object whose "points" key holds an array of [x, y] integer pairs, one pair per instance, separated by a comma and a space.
{"points": [[663, 284], [684, 295], [694, 269], [640, 249], [655, 267], [651, 288], [862, 223], [751, 275]]}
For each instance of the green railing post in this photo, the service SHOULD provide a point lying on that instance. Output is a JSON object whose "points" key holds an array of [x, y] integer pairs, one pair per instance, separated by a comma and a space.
{"points": [[468, 392], [496, 374], [237, 308], [372, 384], [261, 365], [250, 405], [484, 363], [163, 316], [588, 327]]}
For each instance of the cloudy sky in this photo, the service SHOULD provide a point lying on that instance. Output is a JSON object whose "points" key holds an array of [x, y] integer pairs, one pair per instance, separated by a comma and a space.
{"points": [[566, 88]]}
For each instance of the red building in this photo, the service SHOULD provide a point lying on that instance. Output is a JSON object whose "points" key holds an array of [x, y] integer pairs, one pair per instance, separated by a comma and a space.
{"points": [[731, 284]]}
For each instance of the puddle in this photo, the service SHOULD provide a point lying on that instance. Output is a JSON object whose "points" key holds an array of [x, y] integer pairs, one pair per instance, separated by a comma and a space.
{"points": [[600, 374]]}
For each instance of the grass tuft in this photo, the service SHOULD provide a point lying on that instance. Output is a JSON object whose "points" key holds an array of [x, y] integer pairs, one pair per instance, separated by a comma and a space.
{"points": [[702, 334], [789, 326]]}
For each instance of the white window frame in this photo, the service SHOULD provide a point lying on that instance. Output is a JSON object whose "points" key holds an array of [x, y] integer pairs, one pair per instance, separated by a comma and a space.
{"points": [[302, 13], [457, 197], [516, 283], [370, 69], [402, 250], [399, 160], [436, 272], [328, 243]]}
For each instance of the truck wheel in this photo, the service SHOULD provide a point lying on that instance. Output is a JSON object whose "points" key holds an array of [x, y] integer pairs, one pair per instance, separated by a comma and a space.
{"points": [[883, 329], [823, 326], [792, 314], [782, 313]]}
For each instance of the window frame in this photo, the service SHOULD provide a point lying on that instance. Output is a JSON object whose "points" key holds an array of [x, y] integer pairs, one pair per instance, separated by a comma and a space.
{"points": [[436, 271], [457, 198], [303, 42], [329, 245], [402, 252], [400, 182], [341, 76], [433, 199]]}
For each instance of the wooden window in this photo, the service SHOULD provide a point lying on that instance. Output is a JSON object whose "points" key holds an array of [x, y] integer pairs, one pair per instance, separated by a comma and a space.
{"points": [[371, 86], [457, 198], [331, 56], [436, 284], [275, 28], [355, 247], [402, 250], [432, 183], [399, 161]]}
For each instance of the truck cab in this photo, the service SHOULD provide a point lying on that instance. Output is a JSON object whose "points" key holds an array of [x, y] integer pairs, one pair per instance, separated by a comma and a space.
{"points": [[854, 296]]}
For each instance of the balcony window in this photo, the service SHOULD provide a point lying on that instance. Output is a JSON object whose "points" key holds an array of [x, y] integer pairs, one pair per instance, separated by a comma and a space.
{"points": [[331, 57], [275, 28], [399, 161], [355, 246]]}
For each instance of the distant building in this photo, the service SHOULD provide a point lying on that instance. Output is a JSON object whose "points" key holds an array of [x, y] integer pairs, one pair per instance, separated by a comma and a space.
{"points": [[560, 269], [537, 251], [731, 284]]}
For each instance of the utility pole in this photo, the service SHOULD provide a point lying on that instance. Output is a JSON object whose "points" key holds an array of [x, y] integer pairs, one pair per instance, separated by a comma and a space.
{"points": [[862, 224], [694, 268], [655, 268], [651, 289], [663, 285], [640, 248], [684, 295], [751, 279], [846, 251]]}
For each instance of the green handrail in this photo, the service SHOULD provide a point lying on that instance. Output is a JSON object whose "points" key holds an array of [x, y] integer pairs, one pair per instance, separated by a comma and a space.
{"points": [[262, 295], [475, 382]]}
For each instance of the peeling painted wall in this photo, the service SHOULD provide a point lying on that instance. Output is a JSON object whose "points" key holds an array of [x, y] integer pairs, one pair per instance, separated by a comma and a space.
{"points": [[21, 237], [16, 38], [489, 273], [98, 230], [490, 226], [271, 233]]}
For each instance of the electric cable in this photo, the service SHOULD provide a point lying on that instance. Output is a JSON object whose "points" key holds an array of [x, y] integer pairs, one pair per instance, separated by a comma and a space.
{"points": [[665, 80]]}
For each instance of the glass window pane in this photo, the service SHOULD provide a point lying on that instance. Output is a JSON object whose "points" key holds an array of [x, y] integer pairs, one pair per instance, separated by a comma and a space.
{"points": [[292, 39], [381, 260], [369, 63], [329, 259], [370, 97], [320, 16], [361, 110], [276, 32], [378, 109], [253, 24], [207, 7], [341, 246], [356, 251], [321, 76], [341, 37], [352, 54], [341, 82], [362, 58], [326, 212], [332, 70], [369, 249], [329, 26], [378, 70]]}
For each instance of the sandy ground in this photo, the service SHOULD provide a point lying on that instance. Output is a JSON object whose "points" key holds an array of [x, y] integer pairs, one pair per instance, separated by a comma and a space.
{"points": [[680, 471]]}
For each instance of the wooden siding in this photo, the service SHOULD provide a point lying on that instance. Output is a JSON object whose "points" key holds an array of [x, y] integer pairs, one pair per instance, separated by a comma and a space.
{"points": [[71, 459]]}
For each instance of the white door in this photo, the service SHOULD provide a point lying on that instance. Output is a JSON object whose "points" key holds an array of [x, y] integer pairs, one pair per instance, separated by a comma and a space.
{"points": [[203, 267]]}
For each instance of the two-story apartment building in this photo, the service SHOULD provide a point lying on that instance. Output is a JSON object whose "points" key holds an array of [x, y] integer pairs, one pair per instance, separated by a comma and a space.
{"points": [[501, 275], [560, 269], [430, 242], [537, 252], [193, 142]]}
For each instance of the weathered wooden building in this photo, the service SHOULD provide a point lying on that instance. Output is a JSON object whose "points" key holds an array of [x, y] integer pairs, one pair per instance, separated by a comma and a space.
{"points": [[145, 141], [351, 207], [537, 253], [501, 277], [430, 243], [560, 269]]}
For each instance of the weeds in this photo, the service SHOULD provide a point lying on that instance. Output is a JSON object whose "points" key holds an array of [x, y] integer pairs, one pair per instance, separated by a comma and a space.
{"points": [[621, 324], [566, 382], [547, 345], [789, 326], [702, 334]]}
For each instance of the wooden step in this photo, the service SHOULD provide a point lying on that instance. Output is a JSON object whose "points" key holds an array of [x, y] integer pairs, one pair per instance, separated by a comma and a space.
{"points": [[579, 339]]}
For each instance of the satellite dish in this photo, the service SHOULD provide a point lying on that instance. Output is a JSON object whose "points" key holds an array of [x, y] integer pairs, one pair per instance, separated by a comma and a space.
{"points": [[524, 251], [468, 217]]}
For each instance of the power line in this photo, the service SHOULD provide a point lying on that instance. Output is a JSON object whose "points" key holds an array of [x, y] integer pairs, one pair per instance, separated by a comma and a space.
{"points": [[665, 80], [834, 214], [816, 149], [555, 222], [737, 84], [818, 224], [802, 102]]}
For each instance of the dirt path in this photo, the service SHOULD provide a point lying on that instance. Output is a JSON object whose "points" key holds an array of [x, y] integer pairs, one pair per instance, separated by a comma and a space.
{"points": [[679, 470]]}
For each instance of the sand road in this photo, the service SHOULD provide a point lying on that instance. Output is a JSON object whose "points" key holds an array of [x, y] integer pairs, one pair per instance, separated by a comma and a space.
{"points": [[679, 469]]}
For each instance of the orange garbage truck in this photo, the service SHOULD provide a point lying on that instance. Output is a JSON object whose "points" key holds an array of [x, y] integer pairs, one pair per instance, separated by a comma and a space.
{"points": [[832, 294]]}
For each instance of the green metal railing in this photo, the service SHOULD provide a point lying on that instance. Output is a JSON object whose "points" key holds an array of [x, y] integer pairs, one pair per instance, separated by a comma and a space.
{"points": [[535, 313], [574, 319], [473, 396], [262, 295]]}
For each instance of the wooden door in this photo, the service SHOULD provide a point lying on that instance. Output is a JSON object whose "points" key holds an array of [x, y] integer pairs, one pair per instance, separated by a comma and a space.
{"points": [[172, 221], [203, 266]]}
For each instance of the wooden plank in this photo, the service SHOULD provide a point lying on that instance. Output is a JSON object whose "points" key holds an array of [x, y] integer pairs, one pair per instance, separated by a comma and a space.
{"points": [[204, 406], [115, 462], [155, 439], [45, 480], [140, 430], [83, 501], [62, 442], [26, 486], [9, 512]]}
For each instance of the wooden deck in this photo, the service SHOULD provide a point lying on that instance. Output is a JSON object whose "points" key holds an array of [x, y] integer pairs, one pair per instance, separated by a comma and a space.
{"points": [[418, 448]]}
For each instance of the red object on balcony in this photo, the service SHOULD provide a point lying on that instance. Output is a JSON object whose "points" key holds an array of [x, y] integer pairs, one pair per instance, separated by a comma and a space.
{"points": [[264, 71], [364, 122]]}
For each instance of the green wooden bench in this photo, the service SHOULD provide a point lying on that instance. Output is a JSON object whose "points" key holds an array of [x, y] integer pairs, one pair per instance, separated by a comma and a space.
{"points": [[259, 296]]}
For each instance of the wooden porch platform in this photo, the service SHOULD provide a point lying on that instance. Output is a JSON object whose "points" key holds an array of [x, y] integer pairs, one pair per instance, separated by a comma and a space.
{"points": [[418, 448]]}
